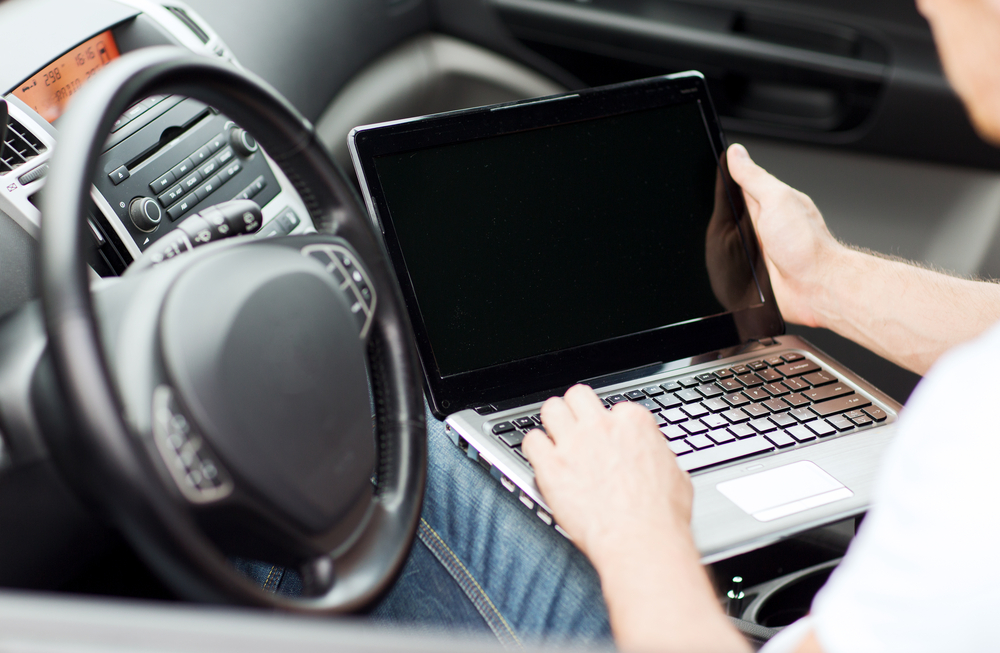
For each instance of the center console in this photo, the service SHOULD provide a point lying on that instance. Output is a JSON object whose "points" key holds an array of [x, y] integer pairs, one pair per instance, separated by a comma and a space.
{"points": [[167, 157]]}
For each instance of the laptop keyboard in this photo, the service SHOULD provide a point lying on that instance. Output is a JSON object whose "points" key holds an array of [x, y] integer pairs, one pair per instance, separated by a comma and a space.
{"points": [[739, 411]]}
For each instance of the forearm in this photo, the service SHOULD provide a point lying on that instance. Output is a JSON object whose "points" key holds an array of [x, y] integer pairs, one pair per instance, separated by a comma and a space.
{"points": [[902, 312], [659, 598]]}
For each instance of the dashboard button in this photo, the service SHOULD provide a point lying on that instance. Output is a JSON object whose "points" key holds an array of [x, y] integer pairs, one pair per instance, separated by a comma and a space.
{"points": [[183, 168], [191, 180], [201, 156], [182, 207], [118, 175], [145, 213], [208, 169], [224, 156], [228, 171], [163, 183], [217, 142], [172, 195]]}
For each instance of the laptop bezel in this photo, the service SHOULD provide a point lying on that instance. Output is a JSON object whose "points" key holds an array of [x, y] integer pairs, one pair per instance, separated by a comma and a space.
{"points": [[558, 370]]}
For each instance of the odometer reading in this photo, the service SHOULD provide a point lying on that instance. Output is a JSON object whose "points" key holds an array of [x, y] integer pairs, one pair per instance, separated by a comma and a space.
{"points": [[48, 90]]}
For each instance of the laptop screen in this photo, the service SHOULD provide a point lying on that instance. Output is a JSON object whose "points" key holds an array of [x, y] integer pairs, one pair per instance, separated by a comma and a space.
{"points": [[547, 239]]}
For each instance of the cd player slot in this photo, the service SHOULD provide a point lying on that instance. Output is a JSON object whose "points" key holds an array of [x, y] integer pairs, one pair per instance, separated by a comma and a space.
{"points": [[160, 133]]}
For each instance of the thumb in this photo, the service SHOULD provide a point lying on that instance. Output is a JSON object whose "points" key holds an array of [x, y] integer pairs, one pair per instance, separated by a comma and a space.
{"points": [[754, 180]]}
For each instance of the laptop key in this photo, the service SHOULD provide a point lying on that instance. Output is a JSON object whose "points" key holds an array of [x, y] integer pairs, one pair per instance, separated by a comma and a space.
{"points": [[524, 423], [756, 410], [840, 423], [840, 405], [706, 377], [700, 442], [827, 392], [635, 395], [653, 391], [689, 396], [740, 369], [776, 405], [716, 405], [503, 427], [864, 420], [799, 367], [688, 382], [817, 379], [672, 386], [780, 439], [674, 415], [756, 394], [649, 405], [730, 384], [742, 431], [776, 389], [715, 421], [795, 384], [537, 418], [821, 427], [756, 366], [792, 357], [769, 375], [616, 399], [784, 420], [736, 416], [774, 361], [795, 400], [680, 447], [694, 427], [695, 410], [723, 374], [750, 380], [673, 432], [736, 399], [803, 414], [721, 436], [763, 425], [668, 401], [801, 433], [876, 413], [660, 419], [512, 438], [724, 453], [710, 390]]}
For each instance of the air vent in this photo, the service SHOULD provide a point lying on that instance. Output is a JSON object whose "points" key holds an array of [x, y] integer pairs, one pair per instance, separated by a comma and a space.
{"points": [[19, 147], [187, 20]]}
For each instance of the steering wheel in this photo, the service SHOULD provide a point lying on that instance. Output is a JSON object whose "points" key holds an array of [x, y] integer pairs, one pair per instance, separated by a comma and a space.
{"points": [[218, 404]]}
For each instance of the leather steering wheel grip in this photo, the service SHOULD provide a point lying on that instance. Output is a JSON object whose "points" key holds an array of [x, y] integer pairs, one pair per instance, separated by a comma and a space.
{"points": [[101, 456]]}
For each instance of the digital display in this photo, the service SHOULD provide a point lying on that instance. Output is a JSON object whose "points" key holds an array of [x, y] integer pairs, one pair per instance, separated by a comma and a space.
{"points": [[49, 90], [548, 239]]}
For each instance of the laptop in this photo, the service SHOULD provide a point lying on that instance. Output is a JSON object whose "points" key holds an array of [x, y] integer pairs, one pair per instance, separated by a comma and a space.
{"points": [[596, 237]]}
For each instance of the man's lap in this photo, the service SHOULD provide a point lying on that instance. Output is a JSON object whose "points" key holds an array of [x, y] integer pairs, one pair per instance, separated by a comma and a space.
{"points": [[481, 562]]}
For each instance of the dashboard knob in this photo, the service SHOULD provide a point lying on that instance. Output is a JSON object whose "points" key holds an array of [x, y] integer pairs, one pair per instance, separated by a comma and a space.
{"points": [[145, 213], [242, 142]]}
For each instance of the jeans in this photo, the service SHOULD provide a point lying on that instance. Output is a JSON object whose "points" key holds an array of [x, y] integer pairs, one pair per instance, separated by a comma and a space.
{"points": [[481, 562]]}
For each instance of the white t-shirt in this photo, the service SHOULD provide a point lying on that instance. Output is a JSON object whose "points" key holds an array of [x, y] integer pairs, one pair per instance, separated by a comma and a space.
{"points": [[923, 573]]}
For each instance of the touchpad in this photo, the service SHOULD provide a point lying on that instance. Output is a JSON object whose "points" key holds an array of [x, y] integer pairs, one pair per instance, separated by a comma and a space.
{"points": [[784, 491]]}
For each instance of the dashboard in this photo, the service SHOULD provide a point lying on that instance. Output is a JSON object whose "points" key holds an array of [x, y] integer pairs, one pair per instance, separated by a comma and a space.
{"points": [[167, 157]]}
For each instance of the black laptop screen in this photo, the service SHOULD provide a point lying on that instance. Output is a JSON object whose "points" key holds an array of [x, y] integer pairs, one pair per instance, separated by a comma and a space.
{"points": [[547, 239]]}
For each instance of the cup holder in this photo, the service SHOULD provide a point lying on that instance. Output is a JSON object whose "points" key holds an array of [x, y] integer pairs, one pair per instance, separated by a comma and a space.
{"points": [[780, 602]]}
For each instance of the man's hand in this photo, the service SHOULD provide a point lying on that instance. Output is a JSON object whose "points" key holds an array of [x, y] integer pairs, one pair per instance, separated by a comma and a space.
{"points": [[798, 248], [613, 484], [608, 476]]}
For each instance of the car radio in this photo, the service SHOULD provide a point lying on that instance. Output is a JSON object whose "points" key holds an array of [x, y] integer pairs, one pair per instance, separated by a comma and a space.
{"points": [[181, 157]]}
